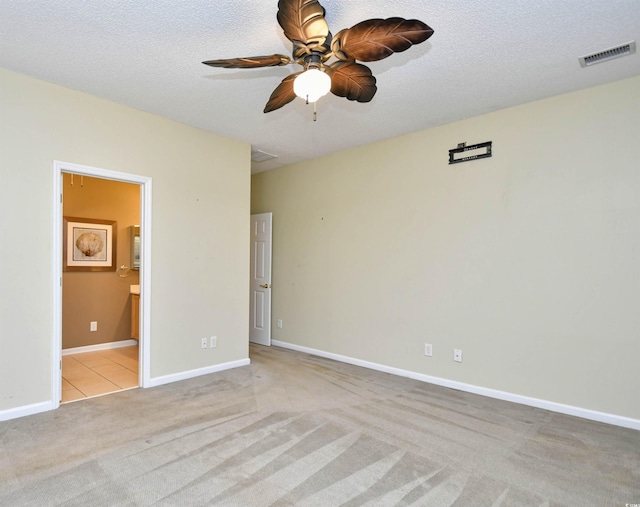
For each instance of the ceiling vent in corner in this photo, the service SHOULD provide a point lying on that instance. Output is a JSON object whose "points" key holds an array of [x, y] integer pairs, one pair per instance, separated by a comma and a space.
{"points": [[608, 54], [261, 156]]}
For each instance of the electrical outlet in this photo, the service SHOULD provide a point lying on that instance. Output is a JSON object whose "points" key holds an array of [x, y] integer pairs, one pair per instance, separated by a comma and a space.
{"points": [[203, 343], [213, 342], [279, 323], [457, 355], [93, 326], [428, 349]]}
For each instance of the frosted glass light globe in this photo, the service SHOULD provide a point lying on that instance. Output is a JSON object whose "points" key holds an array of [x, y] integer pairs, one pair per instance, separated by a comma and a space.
{"points": [[311, 85]]}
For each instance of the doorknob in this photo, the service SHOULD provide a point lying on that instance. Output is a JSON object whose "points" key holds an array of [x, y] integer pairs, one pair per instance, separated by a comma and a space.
{"points": [[266, 286]]}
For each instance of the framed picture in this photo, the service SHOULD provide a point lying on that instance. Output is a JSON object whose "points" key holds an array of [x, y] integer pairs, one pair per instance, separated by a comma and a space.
{"points": [[89, 244]]}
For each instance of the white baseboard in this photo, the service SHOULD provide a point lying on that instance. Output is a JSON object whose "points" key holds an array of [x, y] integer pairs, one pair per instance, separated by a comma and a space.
{"points": [[616, 420], [176, 377], [36, 408], [100, 346]]}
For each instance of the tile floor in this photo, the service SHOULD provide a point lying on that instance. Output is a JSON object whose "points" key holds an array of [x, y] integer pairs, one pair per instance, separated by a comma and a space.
{"points": [[91, 374]]}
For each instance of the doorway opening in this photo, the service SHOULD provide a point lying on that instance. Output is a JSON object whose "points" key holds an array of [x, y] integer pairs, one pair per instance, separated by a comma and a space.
{"points": [[99, 329], [101, 302]]}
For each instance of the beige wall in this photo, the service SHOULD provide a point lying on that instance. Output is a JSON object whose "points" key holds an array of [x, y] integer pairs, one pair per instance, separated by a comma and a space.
{"points": [[200, 228], [104, 296], [528, 261]]}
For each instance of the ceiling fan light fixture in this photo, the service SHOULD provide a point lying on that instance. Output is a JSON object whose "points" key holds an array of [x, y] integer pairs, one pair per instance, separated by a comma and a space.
{"points": [[304, 24], [312, 84]]}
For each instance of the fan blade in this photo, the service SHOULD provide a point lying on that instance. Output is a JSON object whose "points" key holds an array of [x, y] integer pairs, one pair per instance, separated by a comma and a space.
{"points": [[353, 81], [250, 62], [375, 39], [283, 94], [303, 22]]}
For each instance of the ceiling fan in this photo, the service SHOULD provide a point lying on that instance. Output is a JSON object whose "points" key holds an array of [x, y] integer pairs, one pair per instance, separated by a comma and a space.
{"points": [[304, 25]]}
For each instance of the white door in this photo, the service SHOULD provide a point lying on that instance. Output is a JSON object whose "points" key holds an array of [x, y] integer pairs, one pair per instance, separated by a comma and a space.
{"points": [[260, 311]]}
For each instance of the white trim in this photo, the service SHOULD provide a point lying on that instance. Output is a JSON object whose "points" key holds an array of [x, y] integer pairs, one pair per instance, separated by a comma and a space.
{"points": [[616, 420], [145, 269], [36, 408], [56, 256], [144, 371], [176, 377], [99, 346]]}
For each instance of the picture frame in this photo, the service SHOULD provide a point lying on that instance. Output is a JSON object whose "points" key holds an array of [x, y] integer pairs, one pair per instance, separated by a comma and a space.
{"points": [[89, 244]]}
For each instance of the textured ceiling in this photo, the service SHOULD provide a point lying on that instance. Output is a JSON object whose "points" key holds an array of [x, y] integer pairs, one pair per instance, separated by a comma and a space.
{"points": [[485, 55]]}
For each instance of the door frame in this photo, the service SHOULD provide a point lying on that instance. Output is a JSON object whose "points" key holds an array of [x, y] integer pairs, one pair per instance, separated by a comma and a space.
{"points": [[144, 369]]}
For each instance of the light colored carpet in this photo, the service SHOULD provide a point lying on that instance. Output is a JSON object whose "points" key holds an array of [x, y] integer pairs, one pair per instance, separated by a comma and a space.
{"points": [[297, 430]]}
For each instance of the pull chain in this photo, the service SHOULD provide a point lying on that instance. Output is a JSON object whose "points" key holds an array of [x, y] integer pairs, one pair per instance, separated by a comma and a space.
{"points": [[315, 109]]}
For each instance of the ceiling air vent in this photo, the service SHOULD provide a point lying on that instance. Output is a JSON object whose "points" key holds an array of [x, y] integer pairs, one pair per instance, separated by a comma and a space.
{"points": [[608, 54], [261, 156]]}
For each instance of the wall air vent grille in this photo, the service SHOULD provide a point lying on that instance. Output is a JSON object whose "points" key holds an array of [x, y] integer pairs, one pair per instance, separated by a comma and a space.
{"points": [[261, 156], [608, 54]]}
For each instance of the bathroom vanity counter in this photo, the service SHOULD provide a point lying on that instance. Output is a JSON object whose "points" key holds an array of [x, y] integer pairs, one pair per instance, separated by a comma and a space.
{"points": [[135, 316], [135, 312]]}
